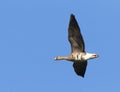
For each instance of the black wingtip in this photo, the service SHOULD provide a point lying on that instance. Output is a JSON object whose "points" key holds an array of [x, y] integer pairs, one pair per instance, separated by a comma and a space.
{"points": [[80, 68], [73, 22], [81, 75], [72, 16]]}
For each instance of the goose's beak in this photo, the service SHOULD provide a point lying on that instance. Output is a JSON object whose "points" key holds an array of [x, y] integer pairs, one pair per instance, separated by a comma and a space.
{"points": [[95, 55]]}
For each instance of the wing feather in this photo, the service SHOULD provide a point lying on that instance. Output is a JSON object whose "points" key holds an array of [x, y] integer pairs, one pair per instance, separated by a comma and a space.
{"points": [[74, 36], [80, 68]]}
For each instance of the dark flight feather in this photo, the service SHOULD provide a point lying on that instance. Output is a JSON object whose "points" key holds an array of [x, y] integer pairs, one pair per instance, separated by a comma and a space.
{"points": [[80, 68], [74, 36]]}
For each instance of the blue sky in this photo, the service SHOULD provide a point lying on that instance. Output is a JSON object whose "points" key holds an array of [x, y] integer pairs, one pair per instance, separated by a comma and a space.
{"points": [[33, 32]]}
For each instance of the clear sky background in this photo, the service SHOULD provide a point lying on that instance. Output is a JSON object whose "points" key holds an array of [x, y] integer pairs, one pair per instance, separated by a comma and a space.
{"points": [[33, 32]]}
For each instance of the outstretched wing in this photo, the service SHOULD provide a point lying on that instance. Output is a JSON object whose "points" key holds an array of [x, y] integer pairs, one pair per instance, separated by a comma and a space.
{"points": [[74, 36], [80, 68]]}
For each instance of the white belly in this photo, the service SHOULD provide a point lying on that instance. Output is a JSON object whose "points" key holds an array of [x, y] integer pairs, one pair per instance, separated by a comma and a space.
{"points": [[77, 56]]}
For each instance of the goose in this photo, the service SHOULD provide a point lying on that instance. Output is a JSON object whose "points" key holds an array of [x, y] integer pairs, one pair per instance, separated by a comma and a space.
{"points": [[78, 55]]}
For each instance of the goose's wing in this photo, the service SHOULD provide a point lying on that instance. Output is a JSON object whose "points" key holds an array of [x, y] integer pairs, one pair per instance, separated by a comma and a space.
{"points": [[80, 68], [74, 36]]}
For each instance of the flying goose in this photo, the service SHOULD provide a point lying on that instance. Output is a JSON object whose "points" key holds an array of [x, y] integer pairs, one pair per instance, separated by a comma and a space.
{"points": [[78, 55]]}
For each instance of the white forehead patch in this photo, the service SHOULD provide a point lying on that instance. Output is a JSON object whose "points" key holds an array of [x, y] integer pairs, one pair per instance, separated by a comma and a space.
{"points": [[87, 56]]}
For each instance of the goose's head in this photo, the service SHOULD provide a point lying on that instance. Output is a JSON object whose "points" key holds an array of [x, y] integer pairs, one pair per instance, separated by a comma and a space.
{"points": [[88, 56]]}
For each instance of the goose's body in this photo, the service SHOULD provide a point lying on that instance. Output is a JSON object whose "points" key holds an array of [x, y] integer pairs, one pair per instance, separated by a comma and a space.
{"points": [[78, 55]]}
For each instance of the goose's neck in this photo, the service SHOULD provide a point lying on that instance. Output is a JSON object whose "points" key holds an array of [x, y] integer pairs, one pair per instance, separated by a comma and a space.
{"points": [[61, 58]]}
